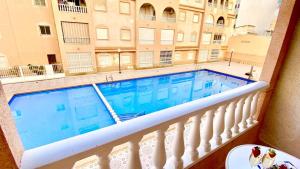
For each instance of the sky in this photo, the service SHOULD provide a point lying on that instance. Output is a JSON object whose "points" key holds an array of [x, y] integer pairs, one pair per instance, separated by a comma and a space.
{"points": [[260, 13]]}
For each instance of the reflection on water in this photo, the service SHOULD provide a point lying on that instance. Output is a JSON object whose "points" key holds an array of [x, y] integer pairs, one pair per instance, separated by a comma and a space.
{"points": [[50, 116], [142, 96]]}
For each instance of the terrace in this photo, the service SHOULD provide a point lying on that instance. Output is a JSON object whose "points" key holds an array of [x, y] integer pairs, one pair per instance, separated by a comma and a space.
{"points": [[196, 134]]}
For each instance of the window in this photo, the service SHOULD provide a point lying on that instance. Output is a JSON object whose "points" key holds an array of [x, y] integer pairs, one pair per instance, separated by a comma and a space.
{"points": [[195, 18], [40, 2], [100, 5], [214, 54], [79, 62], [76, 32], [45, 29], [194, 37], [217, 38], [203, 55], [102, 33], [182, 16], [209, 20], [190, 56], [165, 57], [180, 36], [105, 60], [167, 36], [146, 59], [198, 1], [125, 34], [51, 58], [125, 59], [146, 35], [3, 61], [124, 7], [206, 38]]}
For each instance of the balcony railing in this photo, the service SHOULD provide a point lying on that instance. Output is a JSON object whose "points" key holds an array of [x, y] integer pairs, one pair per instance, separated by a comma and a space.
{"points": [[217, 41], [220, 25], [30, 72], [72, 8], [148, 17], [166, 42], [169, 19], [77, 40], [180, 135], [81, 69]]}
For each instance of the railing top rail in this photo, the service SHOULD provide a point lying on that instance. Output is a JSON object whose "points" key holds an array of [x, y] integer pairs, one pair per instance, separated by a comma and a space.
{"points": [[122, 132]]}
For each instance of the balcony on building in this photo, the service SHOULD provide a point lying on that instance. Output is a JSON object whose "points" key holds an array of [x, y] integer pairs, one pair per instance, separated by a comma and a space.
{"points": [[147, 12], [76, 6], [169, 15], [220, 22]]}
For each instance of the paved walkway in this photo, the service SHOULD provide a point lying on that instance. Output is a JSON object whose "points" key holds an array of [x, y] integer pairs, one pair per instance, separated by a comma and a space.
{"points": [[27, 87]]}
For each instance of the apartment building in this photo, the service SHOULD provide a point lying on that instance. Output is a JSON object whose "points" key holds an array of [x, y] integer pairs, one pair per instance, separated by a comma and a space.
{"points": [[90, 36]]}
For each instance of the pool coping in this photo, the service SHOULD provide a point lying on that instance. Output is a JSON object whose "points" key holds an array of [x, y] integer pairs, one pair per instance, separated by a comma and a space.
{"points": [[135, 78]]}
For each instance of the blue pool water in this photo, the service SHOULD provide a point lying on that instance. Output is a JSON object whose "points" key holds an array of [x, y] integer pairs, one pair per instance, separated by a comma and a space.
{"points": [[49, 116], [46, 117], [133, 98]]}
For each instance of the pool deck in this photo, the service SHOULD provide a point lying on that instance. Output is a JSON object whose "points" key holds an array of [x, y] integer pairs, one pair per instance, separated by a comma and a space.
{"points": [[69, 81]]}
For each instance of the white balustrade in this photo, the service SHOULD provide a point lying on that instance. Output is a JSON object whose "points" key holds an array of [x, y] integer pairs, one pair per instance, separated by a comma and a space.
{"points": [[195, 138], [219, 124], [208, 127], [238, 115], [219, 114], [134, 161], [159, 155], [104, 159], [253, 108], [72, 8], [246, 111], [178, 146], [230, 119]]}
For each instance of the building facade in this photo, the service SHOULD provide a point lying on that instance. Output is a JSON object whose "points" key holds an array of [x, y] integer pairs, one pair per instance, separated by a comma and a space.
{"points": [[91, 36]]}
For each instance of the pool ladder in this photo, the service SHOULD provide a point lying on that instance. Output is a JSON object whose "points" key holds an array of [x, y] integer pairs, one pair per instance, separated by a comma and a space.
{"points": [[109, 78]]}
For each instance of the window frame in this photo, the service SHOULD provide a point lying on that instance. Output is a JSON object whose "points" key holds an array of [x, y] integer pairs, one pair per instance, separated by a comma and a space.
{"points": [[197, 18], [101, 10], [129, 9], [179, 17], [125, 29], [107, 38], [180, 32], [44, 26], [39, 5]]}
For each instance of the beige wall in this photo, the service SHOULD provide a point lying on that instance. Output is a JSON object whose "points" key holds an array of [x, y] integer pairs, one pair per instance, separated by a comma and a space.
{"points": [[282, 121], [20, 38], [114, 21], [251, 49]]}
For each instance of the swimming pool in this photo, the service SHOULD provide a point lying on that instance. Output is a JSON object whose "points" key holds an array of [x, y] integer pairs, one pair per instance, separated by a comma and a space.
{"points": [[49, 116]]}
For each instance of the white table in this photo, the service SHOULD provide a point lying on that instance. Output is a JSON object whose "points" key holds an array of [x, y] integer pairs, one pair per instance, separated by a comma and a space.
{"points": [[238, 157]]}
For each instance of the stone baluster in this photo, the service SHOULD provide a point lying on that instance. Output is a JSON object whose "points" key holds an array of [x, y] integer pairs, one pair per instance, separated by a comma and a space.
{"points": [[194, 138], [178, 146], [238, 115], [134, 161], [246, 111], [219, 124], [230, 119], [253, 108], [208, 127], [104, 158], [159, 155]]}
